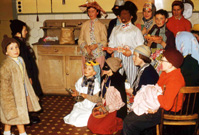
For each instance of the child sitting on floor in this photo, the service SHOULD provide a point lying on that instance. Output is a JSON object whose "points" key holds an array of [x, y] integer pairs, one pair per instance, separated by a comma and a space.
{"points": [[17, 95], [113, 98], [88, 87]]}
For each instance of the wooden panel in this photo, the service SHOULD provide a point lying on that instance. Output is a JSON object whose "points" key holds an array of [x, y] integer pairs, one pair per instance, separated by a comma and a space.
{"points": [[42, 50], [30, 6], [52, 73], [6, 14], [74, 70], [160, 4], [71, 6]]}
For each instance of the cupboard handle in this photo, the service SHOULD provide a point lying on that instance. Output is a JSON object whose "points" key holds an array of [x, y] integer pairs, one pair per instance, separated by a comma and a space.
{"points": [[55, 50]]}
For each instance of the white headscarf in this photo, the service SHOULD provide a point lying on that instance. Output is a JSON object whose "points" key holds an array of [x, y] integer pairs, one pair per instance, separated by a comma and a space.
{"points": [[187, 44]]}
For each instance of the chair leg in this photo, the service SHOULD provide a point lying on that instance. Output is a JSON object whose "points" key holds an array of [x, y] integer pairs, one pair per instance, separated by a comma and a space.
{"points": [[161, 129], [157, 129]]}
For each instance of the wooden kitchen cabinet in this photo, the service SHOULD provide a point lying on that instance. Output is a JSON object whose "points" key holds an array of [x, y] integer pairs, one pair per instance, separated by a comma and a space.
{"points": [[33, 6], [59, 67]]}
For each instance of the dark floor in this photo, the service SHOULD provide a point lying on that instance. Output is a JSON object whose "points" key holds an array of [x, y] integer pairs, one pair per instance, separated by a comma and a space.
{"points": [[54, 109]]}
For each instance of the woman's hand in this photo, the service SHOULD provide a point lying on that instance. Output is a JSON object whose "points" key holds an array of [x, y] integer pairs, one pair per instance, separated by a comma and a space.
{"points": [[127, 52], [93, 47], [88, 49]]}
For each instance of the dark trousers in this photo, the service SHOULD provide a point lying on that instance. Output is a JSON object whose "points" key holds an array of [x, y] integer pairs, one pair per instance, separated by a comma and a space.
{"points": [[134, 124]]}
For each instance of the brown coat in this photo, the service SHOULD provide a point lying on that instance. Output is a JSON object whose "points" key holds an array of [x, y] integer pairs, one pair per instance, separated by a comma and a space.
{"points": [[14, 104]]}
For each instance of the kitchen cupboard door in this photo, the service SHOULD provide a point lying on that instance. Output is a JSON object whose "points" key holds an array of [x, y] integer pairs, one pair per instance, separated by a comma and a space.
{"points": [[72, 6], [73, 70], [52, 74], [32, 6]]}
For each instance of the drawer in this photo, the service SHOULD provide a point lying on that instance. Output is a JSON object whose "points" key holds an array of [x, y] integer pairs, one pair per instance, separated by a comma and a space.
{"points": [[63, 50]]}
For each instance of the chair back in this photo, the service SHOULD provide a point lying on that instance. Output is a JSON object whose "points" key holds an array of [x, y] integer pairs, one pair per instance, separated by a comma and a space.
{"points": [[188, 115]]}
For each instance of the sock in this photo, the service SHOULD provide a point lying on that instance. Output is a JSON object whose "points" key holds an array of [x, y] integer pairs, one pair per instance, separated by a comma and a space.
{"points": [[23, 133], [6, 133]]}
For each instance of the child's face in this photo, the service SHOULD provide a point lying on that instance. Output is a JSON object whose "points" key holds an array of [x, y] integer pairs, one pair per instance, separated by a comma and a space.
{"points": [[136, 59], [89, 71], [147, 14], [160, 20], [13, 50], [92, 13]]}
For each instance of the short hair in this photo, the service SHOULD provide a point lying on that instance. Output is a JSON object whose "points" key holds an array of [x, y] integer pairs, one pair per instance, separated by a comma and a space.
{"points": [[144, 58], [162, 12], [178, 3], [99, 14]]}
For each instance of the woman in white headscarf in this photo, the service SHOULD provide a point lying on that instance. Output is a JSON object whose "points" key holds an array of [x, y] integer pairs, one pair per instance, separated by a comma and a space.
{"points": [[188, 45]]}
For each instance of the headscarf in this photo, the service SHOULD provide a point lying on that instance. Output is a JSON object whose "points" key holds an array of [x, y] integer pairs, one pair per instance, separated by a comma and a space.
{"points": [[187, 44], [97, 69]]}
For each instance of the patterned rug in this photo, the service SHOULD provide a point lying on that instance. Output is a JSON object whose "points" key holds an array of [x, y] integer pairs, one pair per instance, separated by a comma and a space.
{"points": [[54, 109]]}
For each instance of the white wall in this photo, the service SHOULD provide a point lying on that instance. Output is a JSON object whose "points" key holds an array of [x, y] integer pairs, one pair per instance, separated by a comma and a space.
{"points": [[36, 33]]}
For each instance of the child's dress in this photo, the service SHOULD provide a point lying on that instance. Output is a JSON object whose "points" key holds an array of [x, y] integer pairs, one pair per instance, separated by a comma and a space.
{"points": [[82, 110], [17, 96]]}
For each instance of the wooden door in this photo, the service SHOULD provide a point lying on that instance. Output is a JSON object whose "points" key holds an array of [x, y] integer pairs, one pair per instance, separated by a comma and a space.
{"points": [[52, 73], [73, 70]]}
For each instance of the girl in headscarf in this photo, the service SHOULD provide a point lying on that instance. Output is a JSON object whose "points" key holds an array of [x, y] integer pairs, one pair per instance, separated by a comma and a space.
{"points": [[149, 10], [88, 87], [188, 45]]}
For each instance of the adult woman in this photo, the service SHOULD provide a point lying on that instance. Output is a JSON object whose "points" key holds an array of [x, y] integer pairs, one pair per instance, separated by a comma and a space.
{"points": [[149, 10], [177, 22], [93, 35]]}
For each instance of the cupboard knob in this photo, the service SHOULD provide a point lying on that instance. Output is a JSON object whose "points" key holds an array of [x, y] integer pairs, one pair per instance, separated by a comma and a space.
{"points": [[67, 73], [55, 50]]}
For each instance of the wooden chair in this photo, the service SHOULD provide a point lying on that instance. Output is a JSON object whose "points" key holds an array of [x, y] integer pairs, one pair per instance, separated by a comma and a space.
{"points": [[188, 115]]}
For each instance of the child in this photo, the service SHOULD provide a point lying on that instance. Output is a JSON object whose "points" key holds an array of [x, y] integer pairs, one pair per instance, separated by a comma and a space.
{"points": [[17, 94], [160, 37], [170, 81], [148, 19], [88, 87], [113, 97], [146, 73]]}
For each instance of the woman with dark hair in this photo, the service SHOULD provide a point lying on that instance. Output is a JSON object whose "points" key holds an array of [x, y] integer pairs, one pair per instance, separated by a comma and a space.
{"points": [[177, 22], [93, 34]]}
